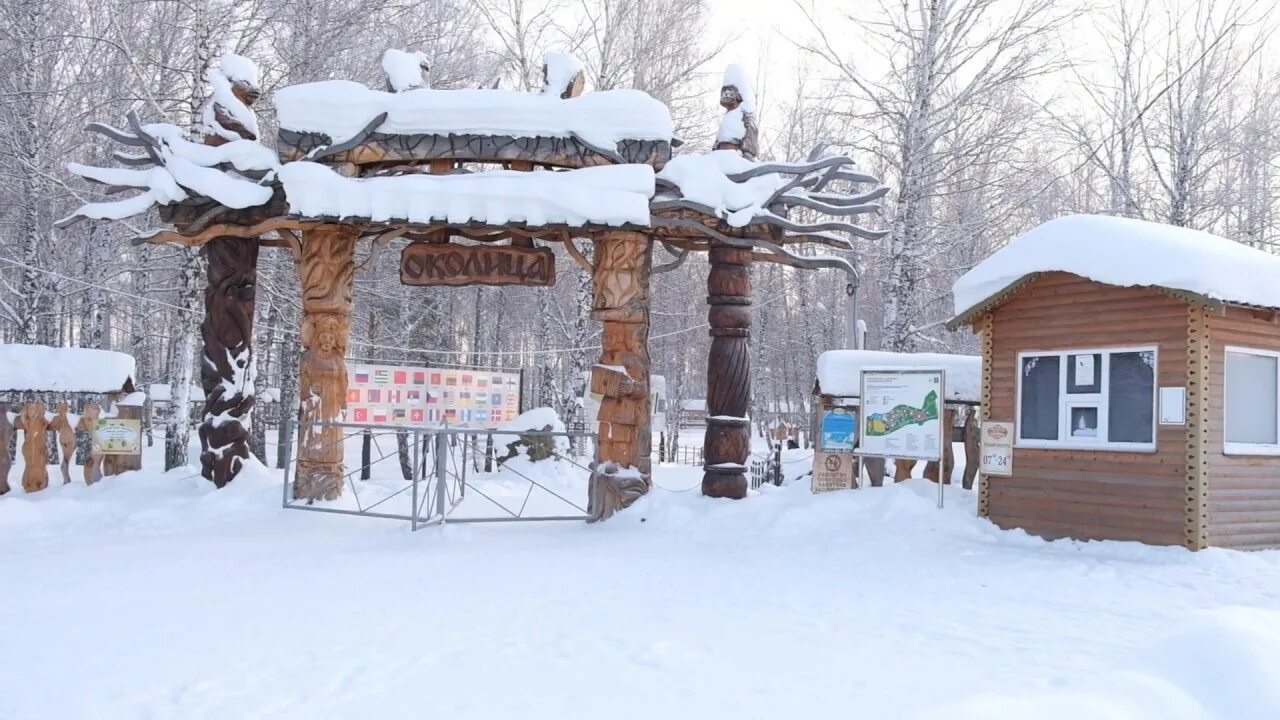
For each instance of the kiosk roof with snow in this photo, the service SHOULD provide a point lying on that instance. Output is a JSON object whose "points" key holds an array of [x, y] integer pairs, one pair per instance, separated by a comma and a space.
{"points": [[478, 187], [39, 369], [1140, 366]]}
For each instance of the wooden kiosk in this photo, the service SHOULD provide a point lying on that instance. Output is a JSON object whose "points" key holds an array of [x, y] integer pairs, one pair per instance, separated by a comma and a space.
{"points": [[477, 187], [1140, 364]]}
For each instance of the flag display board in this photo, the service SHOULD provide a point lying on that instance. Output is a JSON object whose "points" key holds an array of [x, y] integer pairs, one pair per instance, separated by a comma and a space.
{"points": [[407, 395]]}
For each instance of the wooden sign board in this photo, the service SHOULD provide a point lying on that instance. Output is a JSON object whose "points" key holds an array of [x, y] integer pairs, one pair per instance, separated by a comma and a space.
{"points": [[116, 436], [459, 265], [996, 448], [833, 471]]}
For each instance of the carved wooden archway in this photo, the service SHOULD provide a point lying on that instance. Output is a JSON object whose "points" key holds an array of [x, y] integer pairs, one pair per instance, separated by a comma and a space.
{"points": [[306, 197]]}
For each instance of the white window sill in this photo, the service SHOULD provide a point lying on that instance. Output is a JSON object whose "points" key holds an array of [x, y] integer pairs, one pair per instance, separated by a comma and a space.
{"points": [[1229, 448], [1097, 446]]}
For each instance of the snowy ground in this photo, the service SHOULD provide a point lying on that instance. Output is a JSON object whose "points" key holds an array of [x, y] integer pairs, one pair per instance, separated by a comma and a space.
{"points": [[154, 596]]}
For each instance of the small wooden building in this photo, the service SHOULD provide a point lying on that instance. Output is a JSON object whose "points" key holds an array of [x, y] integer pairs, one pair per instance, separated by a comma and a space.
{"points": [[1140, 364]]}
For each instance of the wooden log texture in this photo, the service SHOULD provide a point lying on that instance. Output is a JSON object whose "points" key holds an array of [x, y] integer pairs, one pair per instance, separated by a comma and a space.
{"points": [[621, 472], [6, 436], [227, 332], [88, 423], [393, 149], [35, 449], [728, 437], [325, 270], [948, 455]]}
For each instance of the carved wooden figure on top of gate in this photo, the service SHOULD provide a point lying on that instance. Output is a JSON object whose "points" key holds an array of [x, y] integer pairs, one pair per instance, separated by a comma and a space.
{"points": [[35, 450], [738, 130], [89, 423]]}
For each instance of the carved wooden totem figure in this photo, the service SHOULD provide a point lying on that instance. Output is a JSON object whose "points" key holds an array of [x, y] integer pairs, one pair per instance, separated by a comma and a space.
{"points": [[748, 144], [88, 423], [61, 424], [728, 436], [6, 434], [325, 269], [622, 472], [227, 329], [35, 449]]}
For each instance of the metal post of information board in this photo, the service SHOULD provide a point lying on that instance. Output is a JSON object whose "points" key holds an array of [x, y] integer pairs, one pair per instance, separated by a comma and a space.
{"points": [[442, 473], [944, 436]]}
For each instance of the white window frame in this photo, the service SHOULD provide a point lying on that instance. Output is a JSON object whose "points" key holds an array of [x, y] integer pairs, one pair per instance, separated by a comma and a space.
{"points": [[1100, 400], [1238, 448]]}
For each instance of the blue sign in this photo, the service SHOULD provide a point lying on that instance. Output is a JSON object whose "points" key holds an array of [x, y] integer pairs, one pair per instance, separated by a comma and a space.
{"points": [[839, 430]]}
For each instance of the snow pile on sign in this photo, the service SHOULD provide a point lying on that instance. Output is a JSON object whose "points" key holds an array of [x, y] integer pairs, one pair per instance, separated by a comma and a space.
{"points": [[609, 195], [840, 371], [341, 109], [43, 368], [1128, 253]]}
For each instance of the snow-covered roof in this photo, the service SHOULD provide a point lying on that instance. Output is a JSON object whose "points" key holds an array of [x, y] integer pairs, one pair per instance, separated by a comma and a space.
{"points": [[50, 369], [840, 371], [163, 392], [612, 195], [1128, 253], [341, 109]]}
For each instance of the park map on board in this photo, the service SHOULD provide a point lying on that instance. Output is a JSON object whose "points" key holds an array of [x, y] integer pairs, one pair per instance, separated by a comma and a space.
{"points": [[902, 414]]}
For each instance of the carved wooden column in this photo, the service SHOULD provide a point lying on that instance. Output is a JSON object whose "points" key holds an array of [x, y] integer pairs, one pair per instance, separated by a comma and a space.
{"points": [[622, 473], [728, 438], [325, 270], [227, 332], [227, 329]]}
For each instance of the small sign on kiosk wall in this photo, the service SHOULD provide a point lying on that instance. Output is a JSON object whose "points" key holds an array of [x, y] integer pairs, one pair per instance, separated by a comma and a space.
{"points": [[996, 448]]}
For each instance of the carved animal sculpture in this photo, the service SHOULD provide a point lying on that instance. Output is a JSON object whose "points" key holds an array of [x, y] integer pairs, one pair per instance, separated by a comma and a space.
{"points": [[88, 423], [61, 424], [613, 489], [6, 434], [35, 451]]}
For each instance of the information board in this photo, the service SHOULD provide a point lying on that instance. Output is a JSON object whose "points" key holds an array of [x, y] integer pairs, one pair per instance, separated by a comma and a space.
{"points": [[117, 436], [902, 414], [407, 395]]}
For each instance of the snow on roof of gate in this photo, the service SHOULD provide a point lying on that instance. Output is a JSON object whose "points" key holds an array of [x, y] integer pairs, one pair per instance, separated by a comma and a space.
{"points": [[611, 195], [40, 368], [341, 109], [1127, 253], [840, 371]]}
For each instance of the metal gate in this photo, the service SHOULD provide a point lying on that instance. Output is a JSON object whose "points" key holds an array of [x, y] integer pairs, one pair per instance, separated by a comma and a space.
{"points": [[433, 475]]}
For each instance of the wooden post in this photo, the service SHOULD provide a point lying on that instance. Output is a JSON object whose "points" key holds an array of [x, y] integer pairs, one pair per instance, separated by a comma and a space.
{"points": [[35, 449], [620, 300], [972, 449], [728, 436], [6, 435], [227, 331], [325, 270]]}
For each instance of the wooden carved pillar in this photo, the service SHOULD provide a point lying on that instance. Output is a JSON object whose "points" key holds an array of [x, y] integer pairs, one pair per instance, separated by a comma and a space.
{"points": [[622, 472], [325, 270], [728, 438], [93, 463], [227, 332], [66, 432]]}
